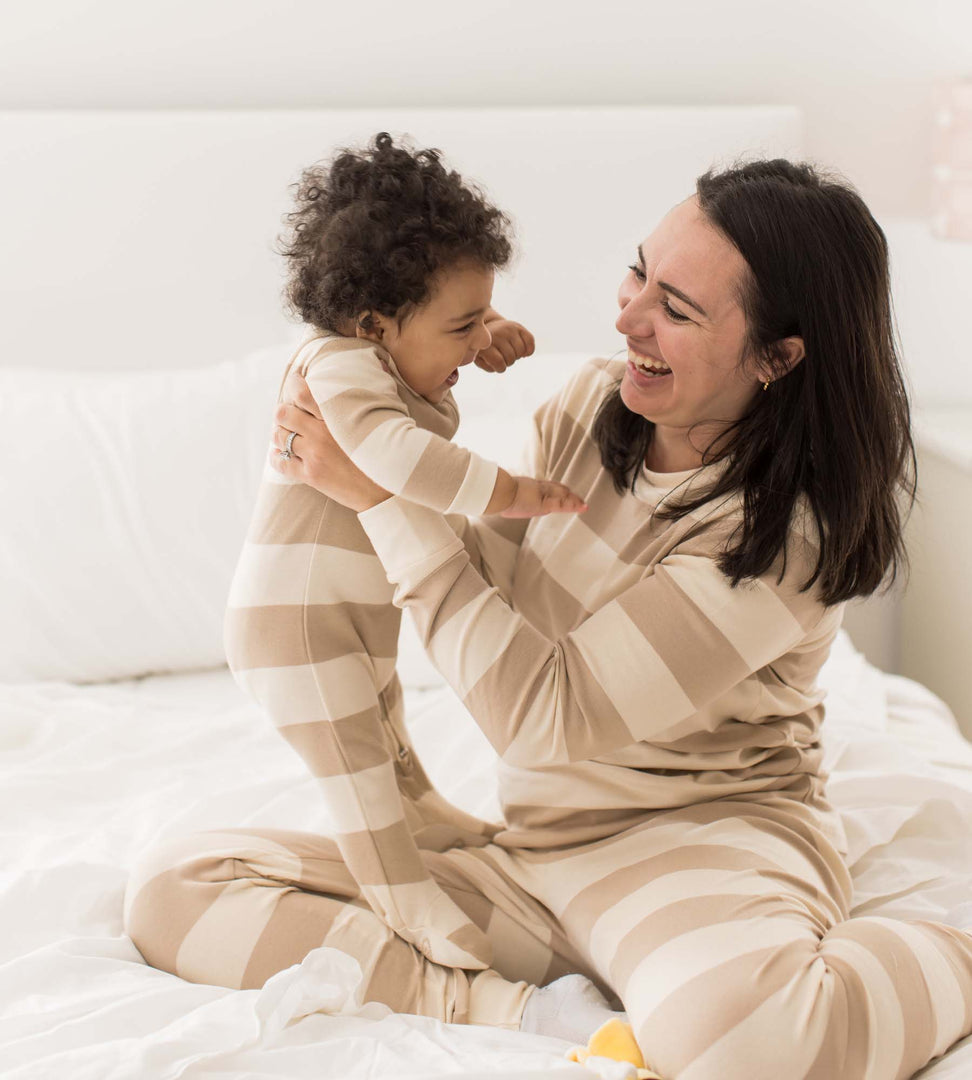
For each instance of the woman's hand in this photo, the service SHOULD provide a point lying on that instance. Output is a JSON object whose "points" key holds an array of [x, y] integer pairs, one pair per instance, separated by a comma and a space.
{"points": [[316, 459], [511, 340]]}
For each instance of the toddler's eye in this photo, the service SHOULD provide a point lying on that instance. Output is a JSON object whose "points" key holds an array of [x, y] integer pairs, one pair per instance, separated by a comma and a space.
{"points": [[464, 329]]}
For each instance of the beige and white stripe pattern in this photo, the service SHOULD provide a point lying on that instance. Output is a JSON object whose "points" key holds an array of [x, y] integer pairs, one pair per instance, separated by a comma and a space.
{"points": [[311, 634], [622, 647], [721, 928], [691, 864], [393, 435]]}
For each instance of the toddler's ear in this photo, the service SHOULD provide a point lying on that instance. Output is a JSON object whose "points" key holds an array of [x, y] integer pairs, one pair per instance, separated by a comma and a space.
{"points": [[368, 325]]}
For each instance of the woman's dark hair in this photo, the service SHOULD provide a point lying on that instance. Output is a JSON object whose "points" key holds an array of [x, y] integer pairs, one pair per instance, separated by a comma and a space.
{"points": [[373, 227], [835, 429]]}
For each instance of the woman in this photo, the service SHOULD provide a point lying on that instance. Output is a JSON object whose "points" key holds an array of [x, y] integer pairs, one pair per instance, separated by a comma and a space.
{"points": [[647, 672]]}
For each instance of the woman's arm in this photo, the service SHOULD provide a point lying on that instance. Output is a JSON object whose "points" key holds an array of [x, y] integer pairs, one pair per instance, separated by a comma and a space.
{"points": [[645, 663], [640, 667], [492, 545]]}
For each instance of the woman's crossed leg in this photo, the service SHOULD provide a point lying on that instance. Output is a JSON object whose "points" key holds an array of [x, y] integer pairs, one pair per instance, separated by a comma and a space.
{"points": [[236, 906]]}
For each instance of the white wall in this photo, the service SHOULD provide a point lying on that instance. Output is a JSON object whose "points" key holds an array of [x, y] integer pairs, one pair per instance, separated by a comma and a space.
{"points": [[862, 72], [931, 281], [860, 69]]}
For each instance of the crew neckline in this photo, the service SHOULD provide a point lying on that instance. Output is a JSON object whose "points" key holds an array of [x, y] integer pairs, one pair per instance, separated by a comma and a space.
{"points": [[650, 485]]}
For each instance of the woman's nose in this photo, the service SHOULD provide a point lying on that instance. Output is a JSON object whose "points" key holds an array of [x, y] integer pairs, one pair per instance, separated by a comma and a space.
{"points": [[634, 318]]}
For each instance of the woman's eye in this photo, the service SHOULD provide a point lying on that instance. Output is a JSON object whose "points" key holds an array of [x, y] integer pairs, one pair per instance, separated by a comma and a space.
{"points": [[637, 271], [675, 316]]}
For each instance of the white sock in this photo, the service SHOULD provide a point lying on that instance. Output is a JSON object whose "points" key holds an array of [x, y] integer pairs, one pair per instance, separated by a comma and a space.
{"points": [[570, 1007]]}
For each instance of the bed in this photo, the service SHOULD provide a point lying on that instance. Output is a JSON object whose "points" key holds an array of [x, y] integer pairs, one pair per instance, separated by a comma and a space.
{"points": [[142, 346]]}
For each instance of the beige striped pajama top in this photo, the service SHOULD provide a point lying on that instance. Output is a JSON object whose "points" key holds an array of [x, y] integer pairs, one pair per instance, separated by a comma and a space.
{"points": [[311, 634], [604, 654]]}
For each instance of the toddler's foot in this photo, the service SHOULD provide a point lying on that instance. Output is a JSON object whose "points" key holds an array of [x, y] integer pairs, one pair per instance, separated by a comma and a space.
{"points": [[570, 1007]]}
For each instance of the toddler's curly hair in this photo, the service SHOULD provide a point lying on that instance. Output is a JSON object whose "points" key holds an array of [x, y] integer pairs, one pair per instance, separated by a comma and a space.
{"points": [[373, 227]]}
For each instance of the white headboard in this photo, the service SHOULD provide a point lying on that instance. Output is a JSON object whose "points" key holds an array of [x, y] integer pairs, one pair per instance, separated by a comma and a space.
{"points": [[145, 239]]}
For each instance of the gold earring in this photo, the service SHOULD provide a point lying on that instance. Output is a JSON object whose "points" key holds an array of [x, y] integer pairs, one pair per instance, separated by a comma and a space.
{"points": [[766, 385]]}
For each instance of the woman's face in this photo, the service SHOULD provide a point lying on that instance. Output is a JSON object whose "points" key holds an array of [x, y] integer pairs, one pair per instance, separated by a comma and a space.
{"points": [[444, 334], [681, 315]]}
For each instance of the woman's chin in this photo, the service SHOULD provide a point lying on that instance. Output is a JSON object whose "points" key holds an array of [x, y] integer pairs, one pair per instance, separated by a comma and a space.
{"points": [[636, 401]]}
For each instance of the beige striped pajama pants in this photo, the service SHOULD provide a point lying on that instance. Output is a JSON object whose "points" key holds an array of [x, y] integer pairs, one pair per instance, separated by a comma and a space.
{"points": [[722, 928]]}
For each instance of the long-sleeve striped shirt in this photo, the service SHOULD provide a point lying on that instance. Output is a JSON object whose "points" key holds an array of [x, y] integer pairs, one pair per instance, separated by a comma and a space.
{"points": [[605, 655]]}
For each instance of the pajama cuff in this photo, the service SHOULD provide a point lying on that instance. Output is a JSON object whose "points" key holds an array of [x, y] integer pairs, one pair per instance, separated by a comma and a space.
{"points": [[495, 1002], [476, 490], [411, 541]]}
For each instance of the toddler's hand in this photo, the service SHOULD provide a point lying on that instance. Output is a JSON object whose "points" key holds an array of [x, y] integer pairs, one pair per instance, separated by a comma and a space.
{"points": [[534, 498], [511, 340]]}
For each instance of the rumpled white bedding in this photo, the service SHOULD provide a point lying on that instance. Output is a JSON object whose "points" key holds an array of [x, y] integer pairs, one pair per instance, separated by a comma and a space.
{"points": [[91, 775]]}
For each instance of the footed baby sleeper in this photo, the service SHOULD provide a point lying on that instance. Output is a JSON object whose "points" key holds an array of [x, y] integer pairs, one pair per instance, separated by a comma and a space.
{"points": [[311, 634]]}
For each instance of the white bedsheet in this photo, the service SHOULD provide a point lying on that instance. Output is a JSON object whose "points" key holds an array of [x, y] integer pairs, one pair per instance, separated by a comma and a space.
{"points": [[91, 775]]}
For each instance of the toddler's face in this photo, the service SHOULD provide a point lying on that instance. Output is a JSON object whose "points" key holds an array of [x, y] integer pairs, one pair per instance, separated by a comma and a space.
{"points": [[444, 334]]}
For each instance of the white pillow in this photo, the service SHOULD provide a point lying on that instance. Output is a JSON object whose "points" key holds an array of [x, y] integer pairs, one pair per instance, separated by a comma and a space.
{"points": [[125, 500], [126, 497]]}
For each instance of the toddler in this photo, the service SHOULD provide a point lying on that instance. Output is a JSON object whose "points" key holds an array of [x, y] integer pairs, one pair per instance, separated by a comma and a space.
{"points": [[391, 262]]}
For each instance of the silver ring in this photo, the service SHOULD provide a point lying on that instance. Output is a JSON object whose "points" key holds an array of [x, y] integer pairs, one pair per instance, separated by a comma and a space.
{"points": [[289, 449], [285, 454]]}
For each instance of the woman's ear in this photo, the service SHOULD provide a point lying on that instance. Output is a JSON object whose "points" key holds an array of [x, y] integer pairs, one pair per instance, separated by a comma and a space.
{"points": [[786, 354], [791, 352]]}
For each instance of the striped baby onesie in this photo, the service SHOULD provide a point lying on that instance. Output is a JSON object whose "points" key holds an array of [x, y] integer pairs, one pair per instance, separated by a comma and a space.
{"points": [[311, 634]]}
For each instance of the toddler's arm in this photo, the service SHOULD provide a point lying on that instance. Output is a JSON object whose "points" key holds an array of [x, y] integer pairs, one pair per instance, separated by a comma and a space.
{"points": [[358, 400], [510, 341]]}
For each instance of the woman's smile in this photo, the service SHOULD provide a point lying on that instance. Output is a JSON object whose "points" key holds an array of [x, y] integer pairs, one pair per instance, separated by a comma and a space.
{"points": [[645, 380], [645, 370]]}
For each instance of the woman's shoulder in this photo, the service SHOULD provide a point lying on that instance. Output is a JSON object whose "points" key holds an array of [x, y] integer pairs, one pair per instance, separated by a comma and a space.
{"points": [[580, 395], [563, 422]]}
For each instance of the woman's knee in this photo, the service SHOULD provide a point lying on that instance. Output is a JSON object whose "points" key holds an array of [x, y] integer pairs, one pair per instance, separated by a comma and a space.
{"points": [[697, 1014], [170, 887], [156, 893], [232, 907]]}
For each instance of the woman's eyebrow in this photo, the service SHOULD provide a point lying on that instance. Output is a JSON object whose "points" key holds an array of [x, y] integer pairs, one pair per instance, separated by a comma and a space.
{"points": [[686, 299], [675, 292]]}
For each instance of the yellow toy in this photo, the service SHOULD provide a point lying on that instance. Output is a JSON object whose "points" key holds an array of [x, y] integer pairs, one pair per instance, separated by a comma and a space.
{"points": [[614, 1039]]}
